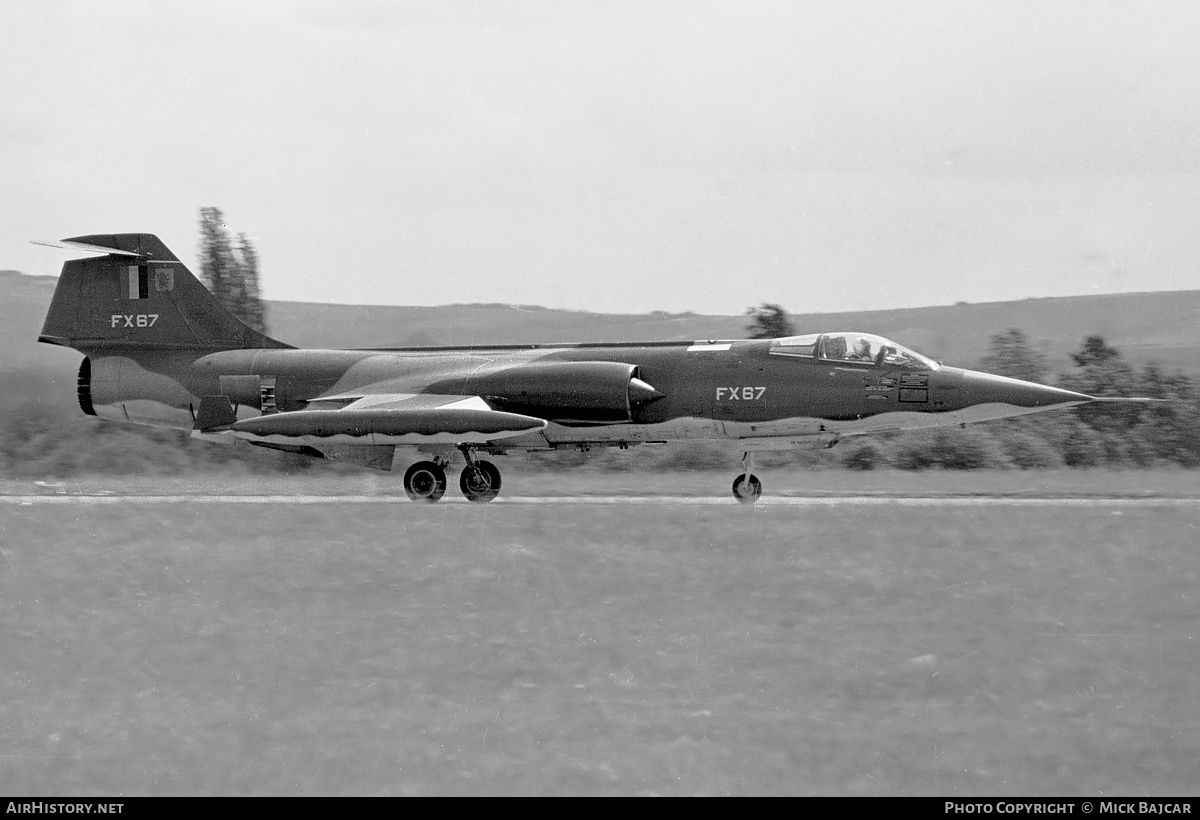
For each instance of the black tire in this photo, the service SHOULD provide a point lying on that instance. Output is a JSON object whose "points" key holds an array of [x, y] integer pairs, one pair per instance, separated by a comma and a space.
{"points": [[746, 490], [425, 481], [480, 483]]}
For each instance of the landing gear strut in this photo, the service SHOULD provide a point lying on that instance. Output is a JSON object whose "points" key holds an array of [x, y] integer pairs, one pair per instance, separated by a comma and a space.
{"points": [[480, 480], [746, 487], [425, 481]]}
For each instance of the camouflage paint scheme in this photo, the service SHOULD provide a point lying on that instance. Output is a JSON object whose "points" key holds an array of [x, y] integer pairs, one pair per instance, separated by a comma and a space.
{"points": [[161, 350]]}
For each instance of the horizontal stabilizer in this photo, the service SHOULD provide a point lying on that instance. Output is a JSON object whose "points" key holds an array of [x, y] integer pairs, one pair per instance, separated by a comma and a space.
{"points": [[72, 245], [441, 425]]}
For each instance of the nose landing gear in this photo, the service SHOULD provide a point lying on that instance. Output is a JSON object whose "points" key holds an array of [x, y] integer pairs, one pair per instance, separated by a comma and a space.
{"points": [[746, 487], [747, 490]]}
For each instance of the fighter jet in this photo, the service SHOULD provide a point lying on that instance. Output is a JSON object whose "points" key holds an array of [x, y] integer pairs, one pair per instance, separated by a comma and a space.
{"points": [[160, 350]]}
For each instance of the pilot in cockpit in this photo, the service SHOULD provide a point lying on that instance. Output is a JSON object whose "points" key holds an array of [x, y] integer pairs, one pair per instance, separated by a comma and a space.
{"points": [[835, 347], [861, 350]]}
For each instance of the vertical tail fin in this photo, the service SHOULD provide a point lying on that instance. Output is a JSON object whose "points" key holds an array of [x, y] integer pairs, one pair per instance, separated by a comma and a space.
{"points": [[139, 294]]}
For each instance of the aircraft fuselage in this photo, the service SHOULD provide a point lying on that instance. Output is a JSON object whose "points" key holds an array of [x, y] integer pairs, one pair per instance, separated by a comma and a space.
{"points": [[735, 391]]}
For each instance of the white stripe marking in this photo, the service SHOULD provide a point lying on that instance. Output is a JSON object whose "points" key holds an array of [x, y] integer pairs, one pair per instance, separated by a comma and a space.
{"points": [[611, 500]]}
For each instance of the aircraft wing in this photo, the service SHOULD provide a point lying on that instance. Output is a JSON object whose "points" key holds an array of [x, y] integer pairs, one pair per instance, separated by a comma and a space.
{"points": [[384, 419], [397, 401]]}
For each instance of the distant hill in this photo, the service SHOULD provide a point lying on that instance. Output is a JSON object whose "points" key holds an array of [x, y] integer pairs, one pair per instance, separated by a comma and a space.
{"points": [[1162, 327]]}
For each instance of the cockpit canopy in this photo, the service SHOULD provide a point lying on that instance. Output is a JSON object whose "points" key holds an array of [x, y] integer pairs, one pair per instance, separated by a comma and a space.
{"points": [[864, 348]]}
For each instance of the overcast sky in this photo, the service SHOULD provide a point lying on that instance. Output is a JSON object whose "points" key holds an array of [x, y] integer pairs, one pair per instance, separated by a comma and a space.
{"points": [[619, 156]]}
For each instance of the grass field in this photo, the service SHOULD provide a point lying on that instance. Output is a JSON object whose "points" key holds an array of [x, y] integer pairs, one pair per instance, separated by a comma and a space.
{"points": [[778, 482], [581, 649]]}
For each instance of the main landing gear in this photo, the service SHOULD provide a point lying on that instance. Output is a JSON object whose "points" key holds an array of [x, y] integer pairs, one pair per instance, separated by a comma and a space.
{"points": [[480, 481], [746, 487], [426, 480]]}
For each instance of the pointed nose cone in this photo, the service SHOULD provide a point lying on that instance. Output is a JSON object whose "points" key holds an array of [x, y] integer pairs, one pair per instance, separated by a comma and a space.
{"points": [[640, 392], [985, 388]]}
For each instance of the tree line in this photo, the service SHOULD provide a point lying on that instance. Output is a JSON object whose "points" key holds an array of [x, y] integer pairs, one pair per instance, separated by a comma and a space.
{"points": [[39, 438], [39, 442]]}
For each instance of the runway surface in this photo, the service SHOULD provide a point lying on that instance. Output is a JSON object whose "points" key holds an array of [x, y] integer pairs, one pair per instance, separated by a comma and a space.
{"points": [[935, 633], [614, 500]]}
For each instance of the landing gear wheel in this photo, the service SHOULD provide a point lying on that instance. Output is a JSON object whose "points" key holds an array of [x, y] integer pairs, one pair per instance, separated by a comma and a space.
{"points": [[747, 489], [480, 481], [425, 481]]}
